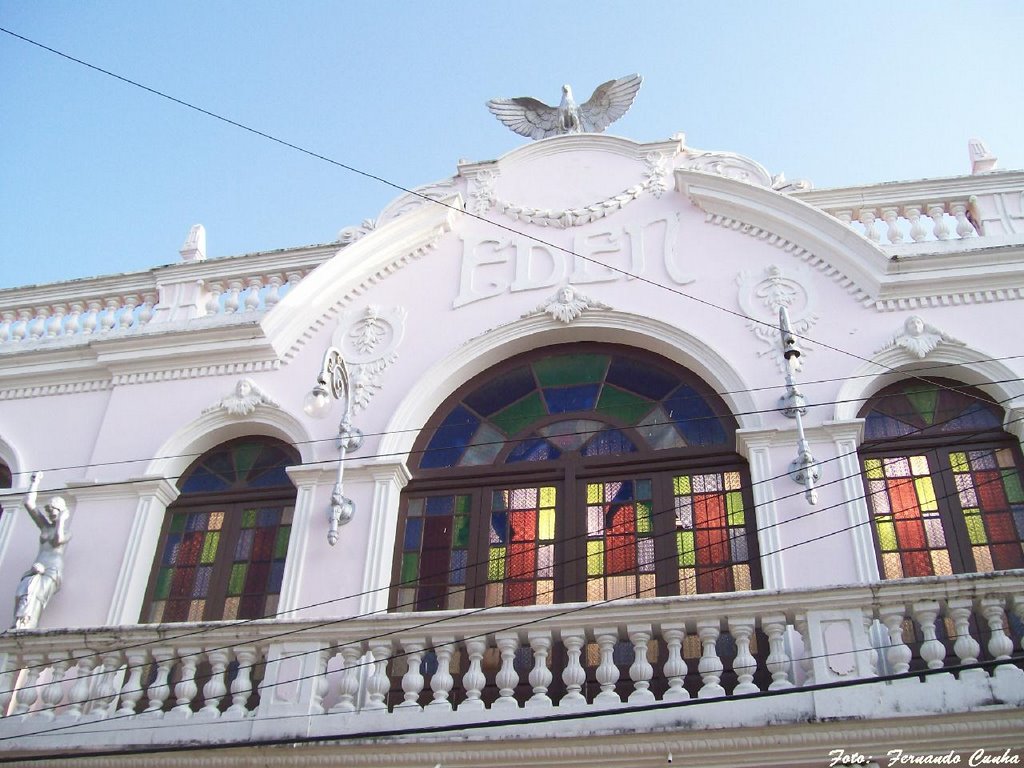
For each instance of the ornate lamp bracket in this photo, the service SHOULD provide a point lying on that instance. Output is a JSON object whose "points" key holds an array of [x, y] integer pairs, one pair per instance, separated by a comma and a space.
{"points": [[334, 383], [804, 469]]}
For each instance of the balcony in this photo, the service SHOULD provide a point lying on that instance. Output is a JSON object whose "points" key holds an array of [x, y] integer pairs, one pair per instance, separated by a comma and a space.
{"points": [[687, 667]]}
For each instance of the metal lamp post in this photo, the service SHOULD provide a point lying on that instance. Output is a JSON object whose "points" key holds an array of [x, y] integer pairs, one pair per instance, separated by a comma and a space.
{"points": [[333, 383], [804, 469]]}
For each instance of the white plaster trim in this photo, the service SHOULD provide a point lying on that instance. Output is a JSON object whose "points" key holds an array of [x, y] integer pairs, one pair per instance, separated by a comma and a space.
{"points": [[847, 437], [389, 479], [298, 541], [501, 343], [754, 446], [578, 142]]}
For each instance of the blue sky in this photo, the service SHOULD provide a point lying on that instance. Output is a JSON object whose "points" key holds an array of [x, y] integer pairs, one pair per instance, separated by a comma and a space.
{"points": [[97, 177]]}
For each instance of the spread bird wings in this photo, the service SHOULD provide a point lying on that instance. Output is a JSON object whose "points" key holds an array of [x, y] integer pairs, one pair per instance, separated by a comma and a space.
{"points": [[527, 117], [609, 102]]}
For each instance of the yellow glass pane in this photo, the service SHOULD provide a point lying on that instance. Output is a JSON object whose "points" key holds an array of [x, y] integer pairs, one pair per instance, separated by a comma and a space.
{"points": [[621, 586], [195, 610], [595, 589], [547, 496], [495, 595], [975, 527], [940, 563], [546, 525], [873, 469], [983, 559], [732, 481], [691, 647], [741, 576], [231, 608], [406, 600], [919, 465], [886, 536], [545, 592], [595, 558], [1004, 458], [685, 548], [457, 599], [687, 581], [593, 655], [647, 585], [958, 461], [643, 517], [496, 564], [594, 493], [892, 568], [926, 494], [156, 613], [681, 485], [216, 521]]}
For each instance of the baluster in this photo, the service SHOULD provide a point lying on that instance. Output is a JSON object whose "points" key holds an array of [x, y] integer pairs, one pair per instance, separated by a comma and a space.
{"points": [[412, 680], [473, 680], [216, 687], [92, 317], [1018, 608], [7, 320], [377, 684], [938, 213], [710, 666], [107, 689], [441, 681], [146, 310], [55, 323], [845, 216], [675, 665], [574, 676], [607, 672], [186, 689], [80, 691], [131, 691], [898, 654], [890, 216], [540, 676], [778, 660], [273, 294], [507, 678], [293, 279], [128, 314], [867, 617], [964, 228], [965, 646], [932, 649], [252, 296], [19, 330], [917, 229], [744, 665], [806, 662], [74, 321], [109, 315], [640, 671], [213, 299], [159, 690], [8, 675], [37, 327], [348, 686], [320, 686], [241, 686], [231, 300], [999, 645], [867, 218], [29, 691], [53, 693]]}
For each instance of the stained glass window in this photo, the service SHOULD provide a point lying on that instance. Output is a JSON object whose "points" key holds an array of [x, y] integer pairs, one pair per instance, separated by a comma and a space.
{"points": [[944, 506], [562, 474], [222, 557], [5, 479]]}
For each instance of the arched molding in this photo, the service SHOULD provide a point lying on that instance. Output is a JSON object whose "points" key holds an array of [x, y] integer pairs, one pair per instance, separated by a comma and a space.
{"points": [[964, 364], [494, 346], [10, 456], [573, 143]]}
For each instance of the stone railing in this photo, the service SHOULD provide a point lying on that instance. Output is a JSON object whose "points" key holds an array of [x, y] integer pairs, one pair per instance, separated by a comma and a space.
{"points": [[731, 660], [125, 303]]}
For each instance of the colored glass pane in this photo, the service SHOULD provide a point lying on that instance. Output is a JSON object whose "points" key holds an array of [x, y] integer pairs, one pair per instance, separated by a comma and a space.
{"points": [[570, 399], [249, 518], [561, 370], [450, 439], [502, 391], [622, 405], [520, 415], [209, 553]]}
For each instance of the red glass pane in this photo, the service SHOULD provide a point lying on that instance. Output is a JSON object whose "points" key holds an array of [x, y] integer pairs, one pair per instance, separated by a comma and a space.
{"points": [[191, 547], [1000, 527], [256, 578], [917, 564], [519, 593], [523, 525], [1006, 556], [181, 585], [621, 519], [714, 579], [522, 561], [434, 565], [437, 532], [263, 546], [712, 536], [991, 495], [620, 554]]}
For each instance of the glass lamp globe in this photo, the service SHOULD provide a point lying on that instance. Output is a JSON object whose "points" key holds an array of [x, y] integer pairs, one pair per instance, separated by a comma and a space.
{"points": [[317, 403]]}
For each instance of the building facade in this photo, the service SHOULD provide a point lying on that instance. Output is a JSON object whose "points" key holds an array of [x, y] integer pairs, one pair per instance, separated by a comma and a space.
{"points": [[589, 507]]}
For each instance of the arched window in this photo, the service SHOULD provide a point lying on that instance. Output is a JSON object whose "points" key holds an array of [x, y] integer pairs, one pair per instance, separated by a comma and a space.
{"points": [[6, 479], [580, 472], [944, 481], [224, 540]]}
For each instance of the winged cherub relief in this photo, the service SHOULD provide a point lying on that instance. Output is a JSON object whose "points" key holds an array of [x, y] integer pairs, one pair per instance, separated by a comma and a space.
{"points": [[567, 304], [919, 338], [243, 399], [536, 120]]}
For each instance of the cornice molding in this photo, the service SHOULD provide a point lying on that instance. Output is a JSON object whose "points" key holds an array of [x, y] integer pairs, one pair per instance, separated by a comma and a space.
{"points": [[921, 191]]}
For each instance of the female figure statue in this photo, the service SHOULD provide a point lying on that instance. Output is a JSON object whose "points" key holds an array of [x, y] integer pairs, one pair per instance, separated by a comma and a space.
{"points": [[42, 580]]}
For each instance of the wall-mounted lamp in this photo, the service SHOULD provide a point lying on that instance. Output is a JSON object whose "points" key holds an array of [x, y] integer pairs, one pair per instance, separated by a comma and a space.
{"points": [[804, 469], [333, 383]]}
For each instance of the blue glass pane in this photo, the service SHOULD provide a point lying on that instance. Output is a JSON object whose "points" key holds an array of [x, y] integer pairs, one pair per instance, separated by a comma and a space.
{"points": [[696, 420], [499, 527], [276, 576], [271, 478], [413, 531], [976, 416], [458, 575], [451, 439], [569, 399], [203, 481], [608, 443], [268, 517], [440, 505], [878, 425], [534, 449], [171, 548], [197, 521], [641, 378], [502, 392]]}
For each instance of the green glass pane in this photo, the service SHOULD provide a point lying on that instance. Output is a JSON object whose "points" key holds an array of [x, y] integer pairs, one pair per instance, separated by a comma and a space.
{"points": [[237, 579], [163, 583], [595, 558], [210, 543], [245, 455], [496, 564], [520, 414], [734, 504], [681, 485], [685, 548], [623, 405], [410, 566], [281, 542], [926, 494], [1014, 491], [958, 461], [975, 528], [924, 403], [460, 539], [886, 536], [643, 517], [461, 505], [249, 518], [565, 370], [178, 523]]}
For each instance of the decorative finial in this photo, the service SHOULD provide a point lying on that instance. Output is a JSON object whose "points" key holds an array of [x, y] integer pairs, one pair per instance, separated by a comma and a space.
{"points": [[536, 120], [194, 248], [982, 161]]}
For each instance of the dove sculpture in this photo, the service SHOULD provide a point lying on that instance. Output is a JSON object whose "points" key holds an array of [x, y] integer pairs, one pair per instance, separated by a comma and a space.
{"points": [[536, 120]]}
